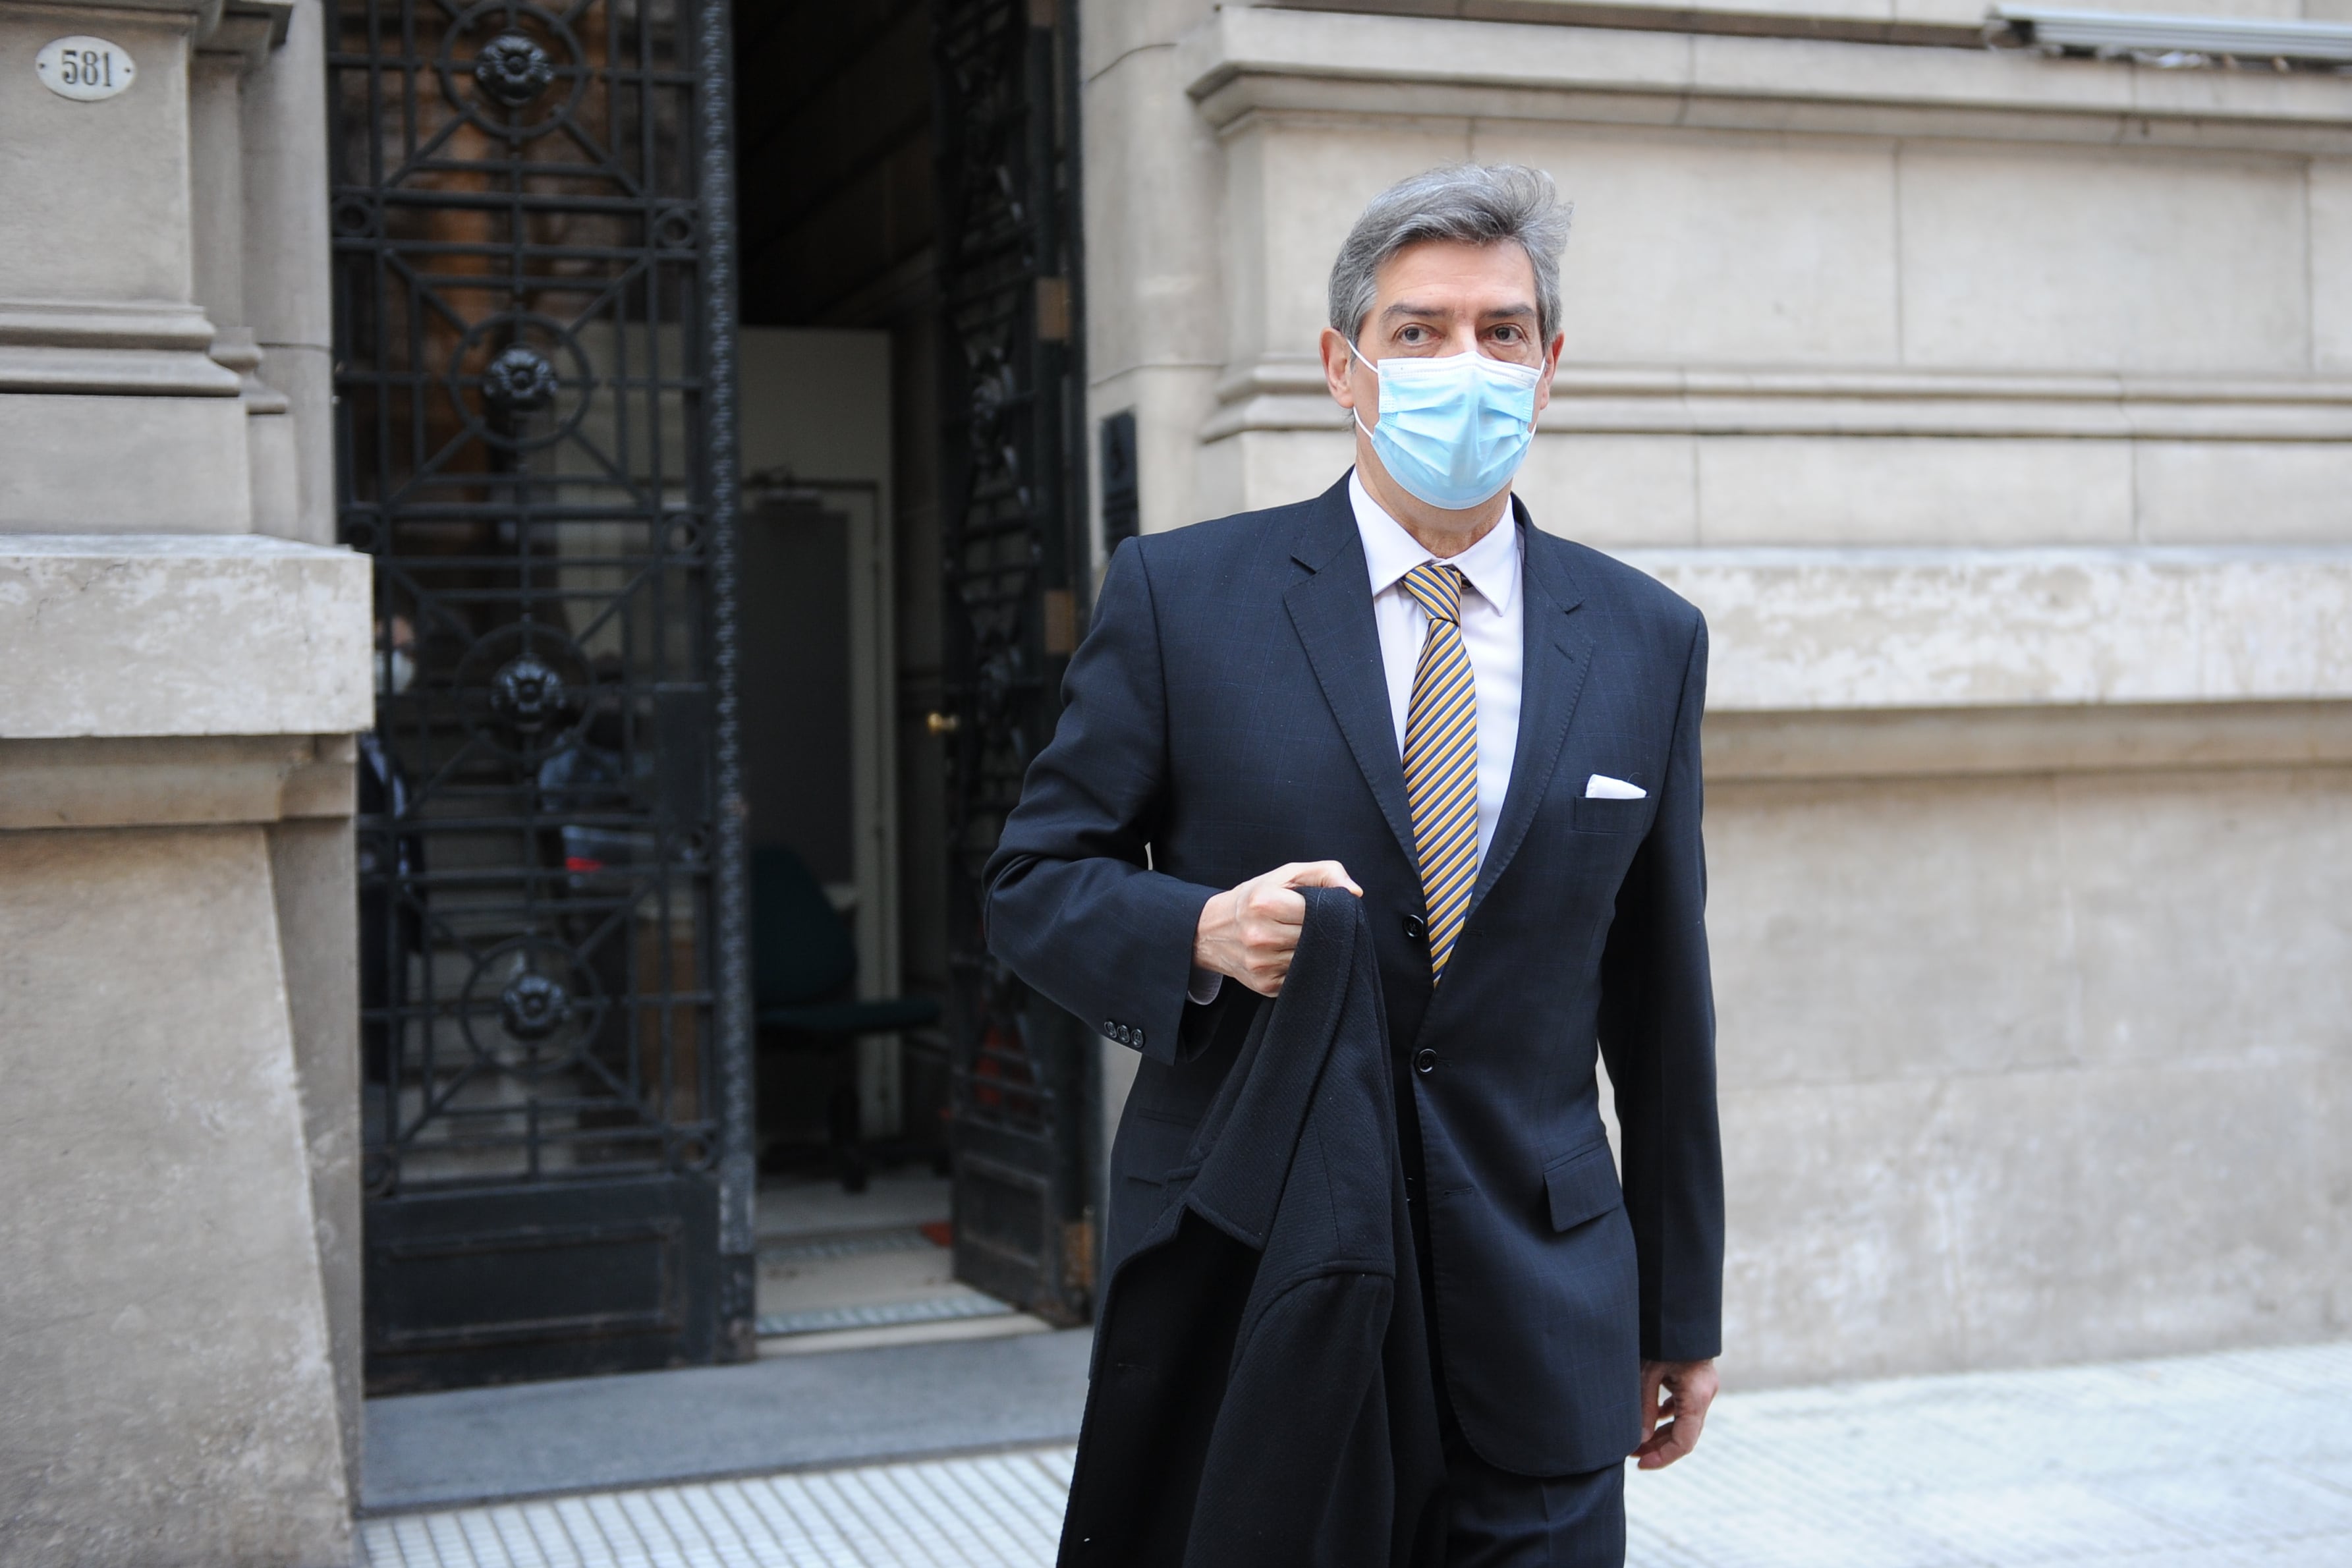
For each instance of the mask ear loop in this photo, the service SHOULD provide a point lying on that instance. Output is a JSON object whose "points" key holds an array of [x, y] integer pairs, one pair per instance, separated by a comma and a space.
{"points": [[1535, 416], [1368, 366]]}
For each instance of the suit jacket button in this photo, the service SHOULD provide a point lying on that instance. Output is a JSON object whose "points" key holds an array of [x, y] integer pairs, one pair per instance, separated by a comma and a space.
{"points": [[1110, 1028], [1137, 1041], [1414, 930], [1424, 1061]]}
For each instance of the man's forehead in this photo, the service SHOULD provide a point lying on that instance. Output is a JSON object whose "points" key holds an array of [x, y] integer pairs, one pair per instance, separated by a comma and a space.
{"points": [[1456, 261]]}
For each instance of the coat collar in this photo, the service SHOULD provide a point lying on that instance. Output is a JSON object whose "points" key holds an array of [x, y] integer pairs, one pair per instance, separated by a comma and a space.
{"points": [[1332, 610]]}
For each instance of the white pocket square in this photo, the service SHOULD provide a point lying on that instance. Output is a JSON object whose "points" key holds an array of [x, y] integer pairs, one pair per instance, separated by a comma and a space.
{"points": [[1600, 786]]}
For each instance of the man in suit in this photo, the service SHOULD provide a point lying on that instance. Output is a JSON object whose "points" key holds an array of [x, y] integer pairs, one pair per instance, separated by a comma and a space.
{"points": [[1490, 734]]}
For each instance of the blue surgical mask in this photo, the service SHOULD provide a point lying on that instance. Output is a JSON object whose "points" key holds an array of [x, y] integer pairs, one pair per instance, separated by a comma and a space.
{"points": [[1452, 431]]}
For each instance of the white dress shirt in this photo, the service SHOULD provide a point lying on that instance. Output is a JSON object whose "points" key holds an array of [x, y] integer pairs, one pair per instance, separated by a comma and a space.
{"points": [[1494, 621]]}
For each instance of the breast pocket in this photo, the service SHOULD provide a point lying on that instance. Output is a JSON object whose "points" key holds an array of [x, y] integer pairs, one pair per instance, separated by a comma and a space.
{"points": [[1591, 814]]}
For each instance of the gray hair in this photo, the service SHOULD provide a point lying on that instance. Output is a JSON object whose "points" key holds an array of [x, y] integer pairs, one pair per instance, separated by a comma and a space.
{"points": [[1477, 204]]}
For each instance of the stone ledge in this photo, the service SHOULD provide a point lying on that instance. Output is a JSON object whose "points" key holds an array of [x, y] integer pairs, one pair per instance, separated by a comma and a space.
{"points": [[1286, 392], [1267, 61], [190, 781], [1946, 23], [1978, 743], [1798, 630], [170, 634]]}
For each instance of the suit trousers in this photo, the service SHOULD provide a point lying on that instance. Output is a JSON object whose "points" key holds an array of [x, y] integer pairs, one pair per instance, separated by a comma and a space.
{"points": [[1503, 1520], [1498, 1519]]}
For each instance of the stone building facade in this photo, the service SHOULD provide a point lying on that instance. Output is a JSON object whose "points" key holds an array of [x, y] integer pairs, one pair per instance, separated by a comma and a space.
{"points": [[184, 663], [1994, 403]]}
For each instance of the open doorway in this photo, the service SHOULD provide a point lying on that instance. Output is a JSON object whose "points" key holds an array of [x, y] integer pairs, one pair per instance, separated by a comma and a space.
{"points": [[914, 1179], [613, 679], [855, 1211]]}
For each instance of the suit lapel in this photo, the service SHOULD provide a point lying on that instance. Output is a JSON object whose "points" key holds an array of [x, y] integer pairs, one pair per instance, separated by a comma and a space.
{"points": [[1332, 610], [1551, 679]]}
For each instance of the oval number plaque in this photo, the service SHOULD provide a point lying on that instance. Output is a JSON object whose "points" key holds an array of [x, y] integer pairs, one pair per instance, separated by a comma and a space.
{"points": [[84, 69]]}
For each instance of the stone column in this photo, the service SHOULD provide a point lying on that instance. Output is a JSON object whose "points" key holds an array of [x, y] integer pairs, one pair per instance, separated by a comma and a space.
{"points": [[179, 1335], [287, 304], [245, 39]]}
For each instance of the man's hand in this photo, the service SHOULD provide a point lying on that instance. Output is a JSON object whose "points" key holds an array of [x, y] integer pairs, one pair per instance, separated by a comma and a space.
{"points": [[1249, 932], [1689, 1388]]}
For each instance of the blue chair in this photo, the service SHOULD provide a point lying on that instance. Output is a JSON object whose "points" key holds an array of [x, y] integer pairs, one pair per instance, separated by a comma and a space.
{"points": [[804, 981]]}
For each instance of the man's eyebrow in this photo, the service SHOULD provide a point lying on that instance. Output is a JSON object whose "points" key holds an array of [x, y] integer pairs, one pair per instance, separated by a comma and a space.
{"points": [[1407, 308]]}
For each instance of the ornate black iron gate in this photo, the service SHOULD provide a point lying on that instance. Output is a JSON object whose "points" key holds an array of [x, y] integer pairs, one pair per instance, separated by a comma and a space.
{"points": [[534, 318], [1013, 508]]}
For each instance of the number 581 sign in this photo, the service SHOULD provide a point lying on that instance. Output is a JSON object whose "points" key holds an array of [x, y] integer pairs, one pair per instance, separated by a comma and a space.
{"points": [[84, 69]]}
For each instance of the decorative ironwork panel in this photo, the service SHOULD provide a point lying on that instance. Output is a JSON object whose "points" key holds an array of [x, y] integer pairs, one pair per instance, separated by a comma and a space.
{"points": [[1013, 505], [531, 224]]}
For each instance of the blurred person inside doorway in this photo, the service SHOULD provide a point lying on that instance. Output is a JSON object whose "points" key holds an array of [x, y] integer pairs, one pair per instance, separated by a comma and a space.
{"points": [[391, 928]]}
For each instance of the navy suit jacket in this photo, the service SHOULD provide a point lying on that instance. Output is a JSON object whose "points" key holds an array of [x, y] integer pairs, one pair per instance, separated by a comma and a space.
{"points": [[1228, 712]]}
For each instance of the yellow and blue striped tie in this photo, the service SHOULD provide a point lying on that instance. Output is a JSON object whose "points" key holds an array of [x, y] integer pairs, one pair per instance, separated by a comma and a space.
{"points": [[1441, 761]]}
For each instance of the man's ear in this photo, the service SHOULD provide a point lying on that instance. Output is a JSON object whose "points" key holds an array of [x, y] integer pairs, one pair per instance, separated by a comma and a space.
{"points": [[1550, 366], [1335, 368]]}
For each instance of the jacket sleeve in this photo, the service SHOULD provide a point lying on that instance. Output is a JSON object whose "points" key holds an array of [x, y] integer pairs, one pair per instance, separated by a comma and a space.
{"points": [[1657, 1035], [1072, 908]]}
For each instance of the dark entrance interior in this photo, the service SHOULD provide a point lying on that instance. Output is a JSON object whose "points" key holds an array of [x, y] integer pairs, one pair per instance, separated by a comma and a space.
{"points": [[683, 777], [836, 199], [905, 172]]}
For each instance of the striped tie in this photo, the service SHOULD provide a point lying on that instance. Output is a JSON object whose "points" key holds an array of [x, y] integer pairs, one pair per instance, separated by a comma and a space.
{"points": [[1441, 761]]}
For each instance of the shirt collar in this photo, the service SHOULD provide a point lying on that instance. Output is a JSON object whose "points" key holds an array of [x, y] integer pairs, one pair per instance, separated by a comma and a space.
{"points": [[1491, 566]]}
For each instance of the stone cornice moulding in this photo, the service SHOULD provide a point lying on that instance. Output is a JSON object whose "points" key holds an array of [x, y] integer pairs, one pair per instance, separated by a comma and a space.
{"points": [[1249, 63], [141, 348], [105, 324], [1942, 24], [172, 634], [120, 372], [249, 30], [1825, 629], [198, 17], [1286, 392]]}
